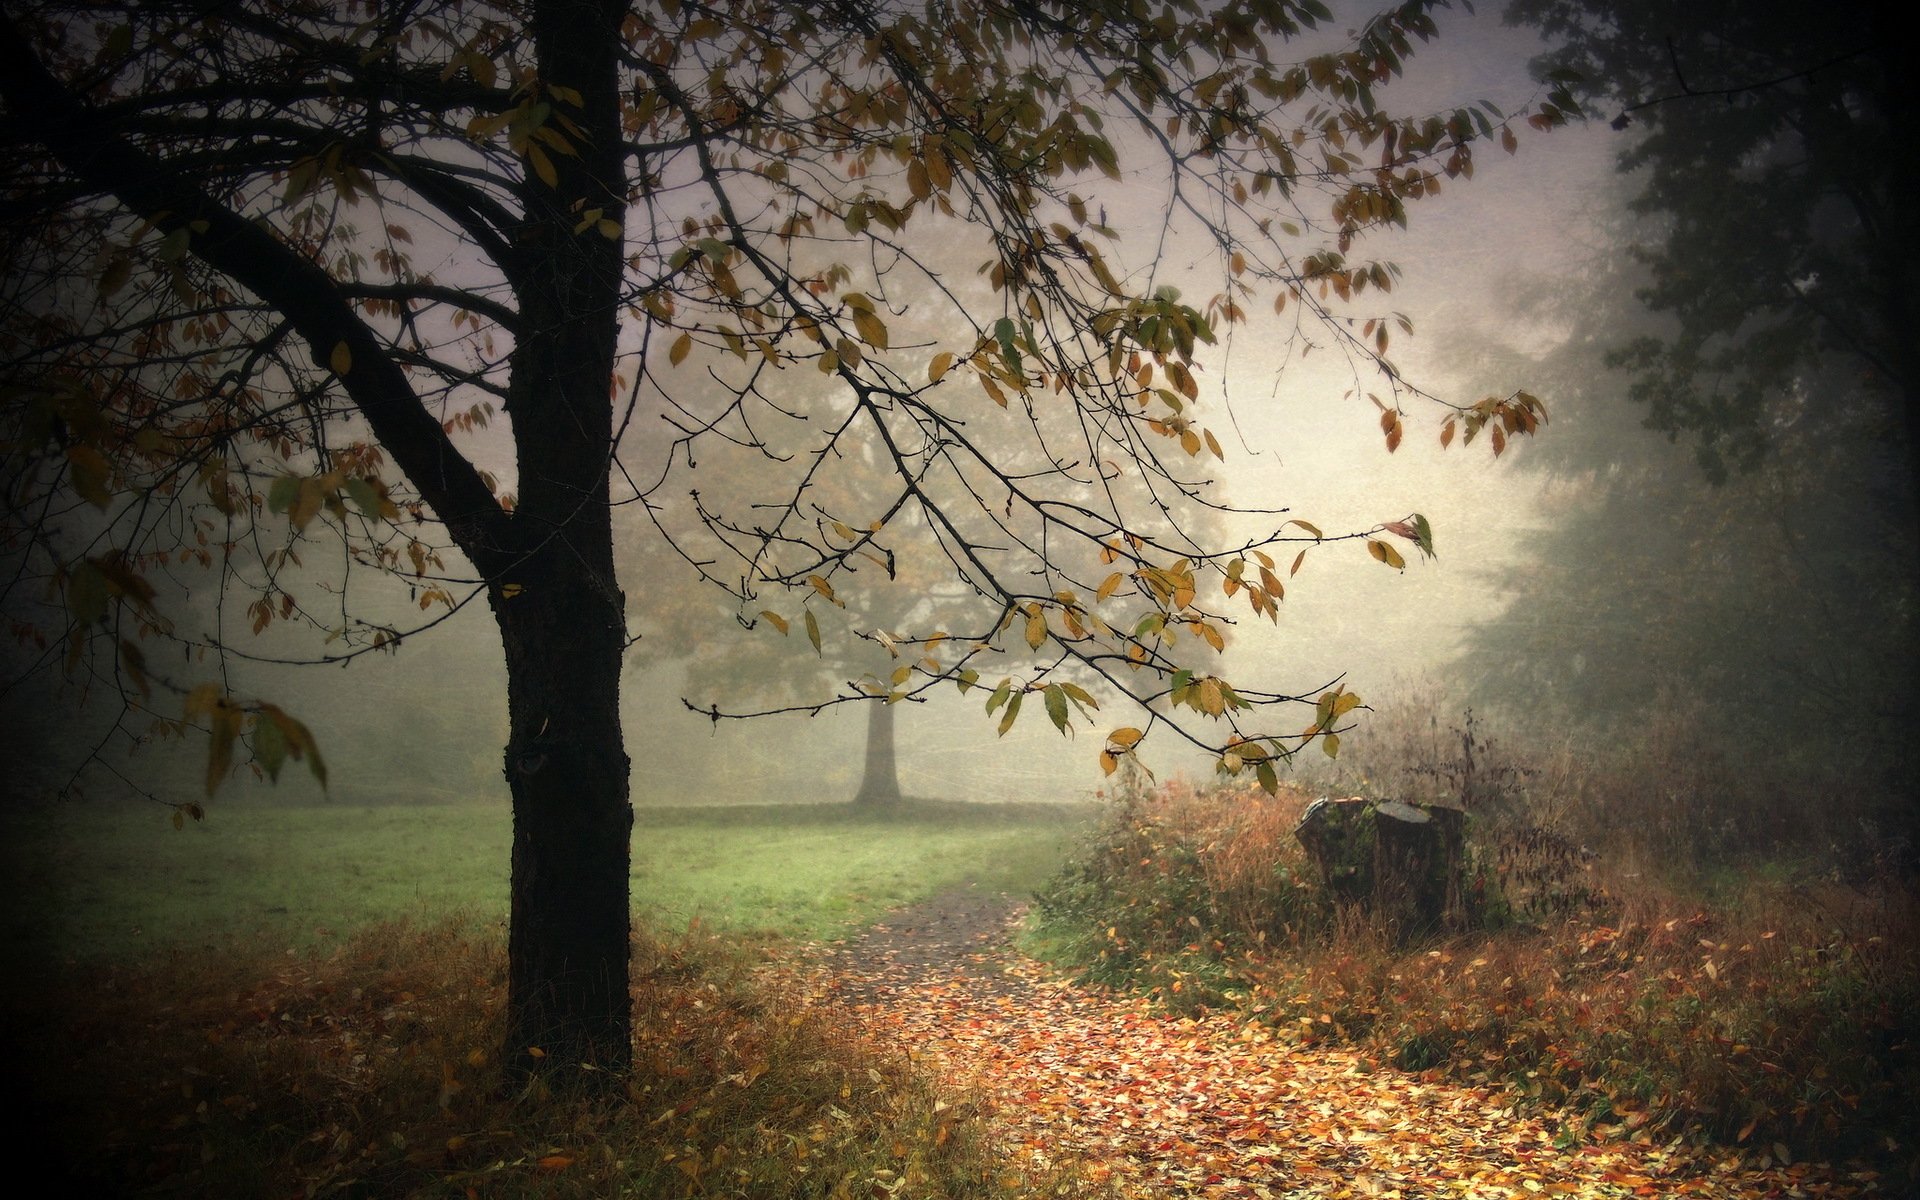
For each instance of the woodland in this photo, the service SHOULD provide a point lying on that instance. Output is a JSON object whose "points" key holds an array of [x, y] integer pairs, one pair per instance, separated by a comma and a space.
{"points": [[909, 599]]}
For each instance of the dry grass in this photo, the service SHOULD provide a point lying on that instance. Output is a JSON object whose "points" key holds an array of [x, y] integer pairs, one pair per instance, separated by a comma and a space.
{"points": [[1774, 1013], [371, 1072]]}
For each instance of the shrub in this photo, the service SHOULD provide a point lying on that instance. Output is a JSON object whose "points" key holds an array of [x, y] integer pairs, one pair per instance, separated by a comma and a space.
{"points": [[1774, 1011]]}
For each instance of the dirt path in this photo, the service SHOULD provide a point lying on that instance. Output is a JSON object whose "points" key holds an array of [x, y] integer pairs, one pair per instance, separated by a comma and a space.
{"points": [[1219, 1107]]}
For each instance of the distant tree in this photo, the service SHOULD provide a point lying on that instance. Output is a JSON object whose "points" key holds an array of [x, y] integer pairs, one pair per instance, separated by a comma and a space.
{"points": [[1772, 611], [1766, 141], [858, 646], [275, 275]]}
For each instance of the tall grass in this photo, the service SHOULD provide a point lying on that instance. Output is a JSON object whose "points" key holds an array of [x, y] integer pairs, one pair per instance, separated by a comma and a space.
{"points": [[1657, 976]]}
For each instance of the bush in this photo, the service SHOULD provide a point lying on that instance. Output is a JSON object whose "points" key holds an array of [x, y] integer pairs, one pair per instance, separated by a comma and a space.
{"points": [[1773, 1010], [1180, 891]]}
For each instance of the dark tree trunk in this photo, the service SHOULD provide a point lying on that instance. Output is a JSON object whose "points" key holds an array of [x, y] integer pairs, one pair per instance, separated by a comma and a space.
{"points": [[1402, 864], [561, 613], [568, 937], [549, 566], [880, 785]]}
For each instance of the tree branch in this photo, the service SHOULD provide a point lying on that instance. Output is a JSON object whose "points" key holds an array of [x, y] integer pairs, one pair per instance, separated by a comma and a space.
{"points": [[311, 300]]}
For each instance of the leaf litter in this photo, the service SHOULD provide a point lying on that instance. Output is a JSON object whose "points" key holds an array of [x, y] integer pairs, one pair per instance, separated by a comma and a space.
{"points": [[1221, 1106]]}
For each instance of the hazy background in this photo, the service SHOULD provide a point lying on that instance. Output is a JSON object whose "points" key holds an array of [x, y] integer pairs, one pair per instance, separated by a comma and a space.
{"points": [[1502, 274]]}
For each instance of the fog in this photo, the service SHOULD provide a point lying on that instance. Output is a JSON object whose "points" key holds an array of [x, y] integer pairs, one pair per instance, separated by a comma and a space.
{"points": [[1488, 270]]}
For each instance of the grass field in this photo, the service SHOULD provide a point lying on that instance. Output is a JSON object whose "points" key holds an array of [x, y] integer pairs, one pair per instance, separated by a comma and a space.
{"points": [[119, 882]]}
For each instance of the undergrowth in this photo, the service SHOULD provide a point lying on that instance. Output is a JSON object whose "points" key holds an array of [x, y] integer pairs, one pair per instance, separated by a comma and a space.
{"points": [[371, 1071], [1776, 1016]]}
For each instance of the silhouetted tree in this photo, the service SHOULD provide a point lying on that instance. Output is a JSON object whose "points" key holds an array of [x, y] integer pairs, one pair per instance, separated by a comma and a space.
{"points": [[271, 273]]}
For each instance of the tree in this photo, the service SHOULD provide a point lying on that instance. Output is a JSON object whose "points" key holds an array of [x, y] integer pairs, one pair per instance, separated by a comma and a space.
{"points": [[1758, 305], [850, 649], [1771, 610], [273, 274], [1765, 142]]}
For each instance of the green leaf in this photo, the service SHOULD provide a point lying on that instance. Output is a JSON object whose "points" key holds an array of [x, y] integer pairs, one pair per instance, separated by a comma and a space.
{"points": [[1056, 701], [282, 493], [1003, 329], [269, 746], [1269, 780], [365, 497], [813, 631], [1423, 535], [1013, 710]]}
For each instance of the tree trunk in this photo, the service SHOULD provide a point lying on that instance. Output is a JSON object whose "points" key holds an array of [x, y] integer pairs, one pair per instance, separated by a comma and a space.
{"points": [[880, 785], [1402, 864], [549, 566], [568, 939], [562, 616]]}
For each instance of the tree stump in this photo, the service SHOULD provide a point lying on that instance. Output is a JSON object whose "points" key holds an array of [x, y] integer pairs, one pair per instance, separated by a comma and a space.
{"points": [[1402, 864]]}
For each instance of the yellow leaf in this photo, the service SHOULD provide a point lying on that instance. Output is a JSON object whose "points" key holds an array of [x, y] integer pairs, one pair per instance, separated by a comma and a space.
{"points": [[1036, 630], [682, 346], [119, 270], [542, 165], [89, 473], [1125, 738], [871, 328], [941, 364], [1386, 554], [341, 360]]}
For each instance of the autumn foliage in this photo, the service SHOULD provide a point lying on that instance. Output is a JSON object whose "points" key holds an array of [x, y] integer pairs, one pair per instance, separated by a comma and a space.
{"points": [[374, 1071], [1770, 1023]]}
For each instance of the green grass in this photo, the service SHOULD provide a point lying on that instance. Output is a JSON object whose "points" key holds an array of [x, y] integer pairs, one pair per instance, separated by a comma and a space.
{"points": [[117, 881]]}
